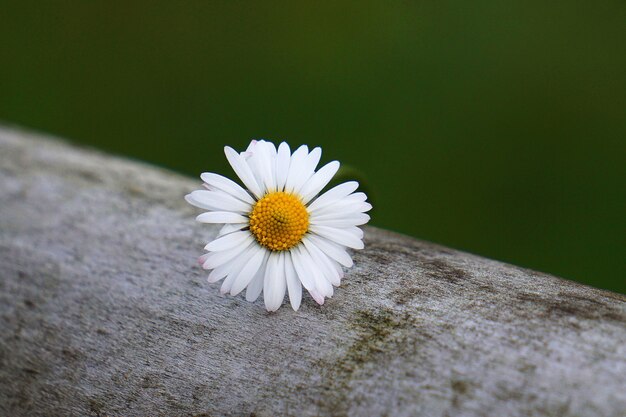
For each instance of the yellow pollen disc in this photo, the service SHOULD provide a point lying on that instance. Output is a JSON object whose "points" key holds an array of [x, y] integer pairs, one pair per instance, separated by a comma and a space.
{"points": [[279, 220]]}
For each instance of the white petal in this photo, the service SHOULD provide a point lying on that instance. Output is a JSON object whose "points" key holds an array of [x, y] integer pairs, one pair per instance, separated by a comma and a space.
{"points": [[231, 227], [274, 284], [256, 285], [333, 250], [251, 146], [322, 262], [272, 148], [249, 270], [217, 201], [332, 195], [338, 268], [238, 264], [324, 286], [318, 181], [304, 276], [343, 221], [242, 169], [294, 286], [360, 197], [194, 201], [227, 185], [282, 165], [227, 242], [219, 272], [353, 230], [340, 236], [249, 157], [363, 207], [216, 259], [342, 206], [265, 156], [321, 283], [221, 217], [308, 169], [273, 156], [356, 231], [338, 214], [295, 166]]}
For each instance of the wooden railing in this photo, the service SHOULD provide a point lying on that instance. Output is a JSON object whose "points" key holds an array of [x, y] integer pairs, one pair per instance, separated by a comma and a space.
{"points": [[104, 311]]}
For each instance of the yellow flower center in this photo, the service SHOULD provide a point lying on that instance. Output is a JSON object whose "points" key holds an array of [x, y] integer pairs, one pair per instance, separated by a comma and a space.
{"points": [[279, 220]]}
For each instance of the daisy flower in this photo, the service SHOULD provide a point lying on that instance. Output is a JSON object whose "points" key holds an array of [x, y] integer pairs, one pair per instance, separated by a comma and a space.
{"points": [[278, 235]]}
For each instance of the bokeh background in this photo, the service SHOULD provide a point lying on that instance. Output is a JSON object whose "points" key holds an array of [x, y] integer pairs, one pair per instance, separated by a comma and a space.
{"points": [[496, 127]]}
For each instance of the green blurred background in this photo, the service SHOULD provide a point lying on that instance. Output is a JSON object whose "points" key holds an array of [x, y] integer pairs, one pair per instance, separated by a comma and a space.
{"points": [[494, 127]]}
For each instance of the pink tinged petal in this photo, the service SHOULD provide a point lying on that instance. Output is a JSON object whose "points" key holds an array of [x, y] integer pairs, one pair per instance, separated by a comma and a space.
{"points": [[216, 259], [295, 166], [333, 195], [340, 236], [202, 258], [267, 146], [217, 201], [333, 250], [249, 271], [227, 242], [322, 262], [262, 155], [308, 169], [255, 287], [318, 181], [294, 287], [227, 185], [319, 298], [243, 171], [274, 283], [283, 160]]}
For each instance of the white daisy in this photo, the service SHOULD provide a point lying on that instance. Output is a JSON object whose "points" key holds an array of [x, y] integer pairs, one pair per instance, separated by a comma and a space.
{"points": [[278, 235]]}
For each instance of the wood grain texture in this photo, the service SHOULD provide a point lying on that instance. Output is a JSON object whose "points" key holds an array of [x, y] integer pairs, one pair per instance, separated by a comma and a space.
{"points": [[104, 311]]}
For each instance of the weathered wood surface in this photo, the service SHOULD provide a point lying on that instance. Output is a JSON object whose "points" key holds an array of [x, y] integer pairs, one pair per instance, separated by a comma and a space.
{"points": [[104, 311]]}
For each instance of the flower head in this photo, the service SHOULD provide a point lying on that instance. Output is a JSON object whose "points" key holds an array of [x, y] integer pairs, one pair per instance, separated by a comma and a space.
{"points": [[278, 234]]}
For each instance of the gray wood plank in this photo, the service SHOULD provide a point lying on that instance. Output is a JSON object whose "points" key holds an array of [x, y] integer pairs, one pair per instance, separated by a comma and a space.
{"points": [[104, 311]]}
